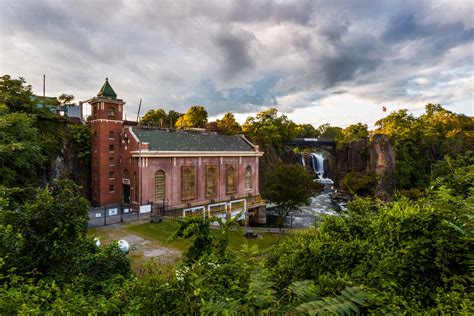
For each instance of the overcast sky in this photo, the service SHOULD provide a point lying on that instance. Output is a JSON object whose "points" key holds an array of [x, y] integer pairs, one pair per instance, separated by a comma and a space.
{"points": [[317, 61]]}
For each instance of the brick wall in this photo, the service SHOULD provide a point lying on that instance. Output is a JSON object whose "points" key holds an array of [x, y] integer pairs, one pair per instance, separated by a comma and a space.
{"points": [[106, 152], [172, 169]]}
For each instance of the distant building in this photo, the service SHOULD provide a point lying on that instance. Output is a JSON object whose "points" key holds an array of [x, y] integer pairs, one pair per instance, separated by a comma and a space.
{"points": [[54, 106], [173, 172]]}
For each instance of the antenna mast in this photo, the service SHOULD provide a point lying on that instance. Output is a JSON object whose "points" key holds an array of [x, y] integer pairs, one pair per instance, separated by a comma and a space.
{"points": [[139, 107], [44, 91]]}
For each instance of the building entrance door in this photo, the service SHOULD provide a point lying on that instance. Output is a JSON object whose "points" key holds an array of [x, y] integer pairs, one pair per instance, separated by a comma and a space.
{"points": [[126, 193]]}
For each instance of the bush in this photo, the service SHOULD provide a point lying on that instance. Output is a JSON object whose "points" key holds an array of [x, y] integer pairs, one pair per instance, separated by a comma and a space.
{"points": [[360, 183], [402, 252]]}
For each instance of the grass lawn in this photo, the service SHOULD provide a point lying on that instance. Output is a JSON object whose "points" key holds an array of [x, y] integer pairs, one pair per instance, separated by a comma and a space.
{"points": [[162, 232], [156, 236]]}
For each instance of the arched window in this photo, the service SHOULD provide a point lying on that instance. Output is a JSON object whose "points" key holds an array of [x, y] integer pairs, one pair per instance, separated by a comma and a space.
{"points": [[188, 182], [248, 178], [160, 186], [231, 180], [211, 181], [111, 112]]}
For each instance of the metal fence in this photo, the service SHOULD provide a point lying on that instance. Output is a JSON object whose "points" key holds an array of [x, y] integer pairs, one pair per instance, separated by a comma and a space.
{"points": [[114, 214]]}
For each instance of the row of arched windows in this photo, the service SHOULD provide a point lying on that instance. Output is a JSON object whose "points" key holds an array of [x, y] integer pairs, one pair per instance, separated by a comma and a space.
{"points": [[189, 184]]}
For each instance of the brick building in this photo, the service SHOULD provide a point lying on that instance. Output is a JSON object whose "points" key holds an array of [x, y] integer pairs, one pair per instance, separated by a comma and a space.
{"points": [[171, 171]]}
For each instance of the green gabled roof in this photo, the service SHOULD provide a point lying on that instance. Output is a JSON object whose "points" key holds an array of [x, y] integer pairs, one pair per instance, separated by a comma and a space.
{"points": [[159, 140], [106, 91]]}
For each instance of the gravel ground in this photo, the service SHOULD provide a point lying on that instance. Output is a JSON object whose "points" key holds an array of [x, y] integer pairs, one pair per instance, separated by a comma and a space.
{"points": [[141, 249]]}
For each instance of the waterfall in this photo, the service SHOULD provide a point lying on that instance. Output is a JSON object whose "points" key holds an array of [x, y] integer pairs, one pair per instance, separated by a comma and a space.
{"points": [[303, 163], [317, 163]]}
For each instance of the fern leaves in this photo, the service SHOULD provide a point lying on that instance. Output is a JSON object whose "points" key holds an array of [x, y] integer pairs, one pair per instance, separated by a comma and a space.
{"points": [[344, 304]]}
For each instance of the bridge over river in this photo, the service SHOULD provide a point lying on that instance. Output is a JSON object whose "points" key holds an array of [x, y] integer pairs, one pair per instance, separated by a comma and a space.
{"points": [[326, 144]]}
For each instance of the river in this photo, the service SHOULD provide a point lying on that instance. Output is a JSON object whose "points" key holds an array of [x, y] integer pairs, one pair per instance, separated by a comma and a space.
{"points": [[321, 205]]}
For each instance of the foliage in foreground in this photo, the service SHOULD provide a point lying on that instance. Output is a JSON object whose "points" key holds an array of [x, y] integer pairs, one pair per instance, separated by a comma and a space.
{"points": [[46, 260], [405, 253], [400, 257]]}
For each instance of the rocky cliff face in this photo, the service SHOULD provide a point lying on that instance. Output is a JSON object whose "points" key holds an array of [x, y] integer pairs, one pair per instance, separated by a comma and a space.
{"points": [[353, 157], [382, 162], [369, 157], [63, 161], [65, 165], [269, 158]]}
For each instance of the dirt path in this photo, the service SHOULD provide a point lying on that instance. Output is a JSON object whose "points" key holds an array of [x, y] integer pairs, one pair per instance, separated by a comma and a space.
{"points": [[141, 249]]}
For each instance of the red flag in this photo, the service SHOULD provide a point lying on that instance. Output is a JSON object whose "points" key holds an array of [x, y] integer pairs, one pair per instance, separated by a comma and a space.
{"points": [[384, 109]]}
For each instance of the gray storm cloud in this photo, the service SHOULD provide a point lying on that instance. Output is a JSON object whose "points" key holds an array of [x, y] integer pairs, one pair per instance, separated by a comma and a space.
{"points": [[242, 56]]}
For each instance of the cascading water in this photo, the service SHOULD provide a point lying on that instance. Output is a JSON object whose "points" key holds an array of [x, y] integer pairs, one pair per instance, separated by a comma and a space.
{"points": [[317, 161], [303, 162], [321, 204]]}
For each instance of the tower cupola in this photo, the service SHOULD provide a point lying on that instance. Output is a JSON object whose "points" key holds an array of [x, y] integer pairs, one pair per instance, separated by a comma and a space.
{"points": [[106, 91]]}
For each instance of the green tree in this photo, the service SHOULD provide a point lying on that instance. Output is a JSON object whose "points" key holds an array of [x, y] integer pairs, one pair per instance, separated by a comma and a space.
{"points": [[328, 131], [46, 234], [53, 229], [20, 152], [228, 125], [354, 132], [196, 116], [307, 131], [65, 99], [16, 95], [397, 124], [289, 186], [173, 117], [421, 142], [269, 128], [156, 117]]}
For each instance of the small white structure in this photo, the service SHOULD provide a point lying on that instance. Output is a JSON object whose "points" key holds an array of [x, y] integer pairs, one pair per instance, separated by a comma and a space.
{"points": [[123, 245]]}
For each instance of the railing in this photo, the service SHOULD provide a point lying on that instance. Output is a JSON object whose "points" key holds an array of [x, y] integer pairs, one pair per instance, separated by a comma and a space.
{"points": [[124, 213]]}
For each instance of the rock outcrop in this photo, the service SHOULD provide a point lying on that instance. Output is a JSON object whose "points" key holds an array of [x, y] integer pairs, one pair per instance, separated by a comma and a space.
{"points": [[382, 162], [63, 161], [375, 156]]}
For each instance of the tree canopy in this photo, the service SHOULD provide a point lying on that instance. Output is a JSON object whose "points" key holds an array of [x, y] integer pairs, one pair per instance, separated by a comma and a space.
{"points": [[328, 131], [15, 94], [354, 132], [196, 116], [228, 125], [159, 118], [269, 128], [420, 142]]}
